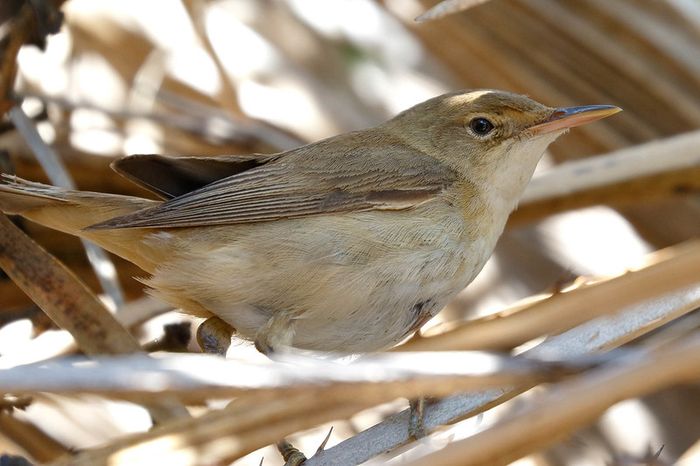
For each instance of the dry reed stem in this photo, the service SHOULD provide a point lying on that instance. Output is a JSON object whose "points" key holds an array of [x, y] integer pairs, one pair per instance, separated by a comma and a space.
{"points": [[657, 186], [572, 405], [30, 438], [227, 95], [374, 378], [218, 436], [61, 295]]}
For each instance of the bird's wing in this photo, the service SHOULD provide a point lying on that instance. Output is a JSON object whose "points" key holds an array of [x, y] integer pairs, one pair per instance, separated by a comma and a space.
{"points": [[170, 177], [313, 180]]}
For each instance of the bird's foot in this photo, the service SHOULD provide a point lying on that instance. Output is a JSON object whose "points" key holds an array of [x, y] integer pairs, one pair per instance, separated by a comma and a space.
{"points": [[214, 336], [292, 456], [275, 335], [416, 426], [263, 345]]}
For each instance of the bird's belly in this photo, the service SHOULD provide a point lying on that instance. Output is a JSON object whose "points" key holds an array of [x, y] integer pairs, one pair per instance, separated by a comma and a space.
{"points": [[354, 285], [381, 310]]}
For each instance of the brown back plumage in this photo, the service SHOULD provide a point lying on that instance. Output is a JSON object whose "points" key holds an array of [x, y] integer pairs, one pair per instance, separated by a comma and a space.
{"points": [[340, 174]]}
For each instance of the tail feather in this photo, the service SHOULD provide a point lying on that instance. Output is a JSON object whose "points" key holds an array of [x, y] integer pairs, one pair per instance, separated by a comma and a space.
{"points": [[18, 195], [72, 211]]}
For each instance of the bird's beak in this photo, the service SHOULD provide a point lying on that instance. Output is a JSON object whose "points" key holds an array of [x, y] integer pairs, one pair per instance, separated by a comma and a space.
{"points": [[569, 117]]}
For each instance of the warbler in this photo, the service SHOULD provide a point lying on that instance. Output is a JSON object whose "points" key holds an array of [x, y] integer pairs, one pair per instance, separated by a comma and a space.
{"points": [[349, 244]]}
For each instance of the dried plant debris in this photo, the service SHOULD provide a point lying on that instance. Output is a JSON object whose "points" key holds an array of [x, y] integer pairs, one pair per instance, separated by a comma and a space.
{"points": [[448, 7]]}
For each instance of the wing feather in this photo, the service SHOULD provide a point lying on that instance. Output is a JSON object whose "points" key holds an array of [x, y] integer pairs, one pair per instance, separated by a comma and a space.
{"points": [[169, 177], [313, 180]]}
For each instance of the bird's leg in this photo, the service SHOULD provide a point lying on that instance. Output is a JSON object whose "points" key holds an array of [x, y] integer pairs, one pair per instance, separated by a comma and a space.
{"points": [[214, 336], [416, 427], [416, 420], [292, 456], [276, 333]]}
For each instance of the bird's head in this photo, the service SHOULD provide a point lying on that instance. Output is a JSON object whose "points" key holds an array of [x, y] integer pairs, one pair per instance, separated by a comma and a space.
{"points": [[491, 137]]}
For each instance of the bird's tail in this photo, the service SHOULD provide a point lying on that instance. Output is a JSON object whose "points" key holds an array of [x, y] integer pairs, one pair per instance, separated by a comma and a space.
{"points": [[72, 211]]}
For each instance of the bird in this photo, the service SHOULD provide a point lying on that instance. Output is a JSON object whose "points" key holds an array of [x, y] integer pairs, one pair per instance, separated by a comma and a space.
{"points": [[349, 244]]}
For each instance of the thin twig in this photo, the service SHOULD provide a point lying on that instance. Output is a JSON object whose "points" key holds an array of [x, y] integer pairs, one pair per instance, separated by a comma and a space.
{"points": [[196, 11]]}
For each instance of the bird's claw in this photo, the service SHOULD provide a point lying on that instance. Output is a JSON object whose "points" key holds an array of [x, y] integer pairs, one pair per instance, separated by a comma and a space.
{"points": [[416, 425]]}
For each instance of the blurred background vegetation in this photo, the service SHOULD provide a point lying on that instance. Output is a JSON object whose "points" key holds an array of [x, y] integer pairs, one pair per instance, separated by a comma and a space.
{"points": [[241, 76]]}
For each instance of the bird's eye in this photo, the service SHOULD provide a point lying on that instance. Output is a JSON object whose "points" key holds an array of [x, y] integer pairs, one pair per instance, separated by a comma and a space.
{"points": [[481, 126]]}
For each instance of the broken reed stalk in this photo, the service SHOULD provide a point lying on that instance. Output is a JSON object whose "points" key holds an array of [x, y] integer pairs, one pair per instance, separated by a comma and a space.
{"points": [[61, 295]]}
